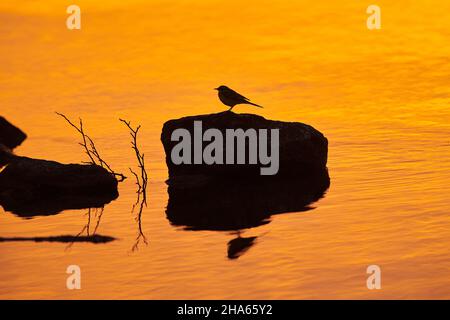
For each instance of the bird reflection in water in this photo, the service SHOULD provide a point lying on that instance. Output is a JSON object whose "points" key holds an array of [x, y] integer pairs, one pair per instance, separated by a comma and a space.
{"points": [[238, 246]]}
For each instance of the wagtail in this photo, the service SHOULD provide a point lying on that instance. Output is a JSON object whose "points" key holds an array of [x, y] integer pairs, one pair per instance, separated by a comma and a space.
{"points": [[231, 98]]}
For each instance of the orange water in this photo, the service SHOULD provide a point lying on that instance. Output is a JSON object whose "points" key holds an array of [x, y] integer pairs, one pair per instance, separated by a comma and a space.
{"points": [[381, 97]]}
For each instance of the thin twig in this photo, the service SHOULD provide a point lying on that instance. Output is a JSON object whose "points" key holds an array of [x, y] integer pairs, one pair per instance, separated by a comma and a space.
{"points": [[141, 182], [91, 150]]}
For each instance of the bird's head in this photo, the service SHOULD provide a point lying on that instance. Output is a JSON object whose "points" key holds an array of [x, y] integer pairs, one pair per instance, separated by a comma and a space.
{"points": [[221, 88]]}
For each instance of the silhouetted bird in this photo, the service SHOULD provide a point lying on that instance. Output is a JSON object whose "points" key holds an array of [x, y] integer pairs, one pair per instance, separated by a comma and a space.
{"points": [[231, 98]]}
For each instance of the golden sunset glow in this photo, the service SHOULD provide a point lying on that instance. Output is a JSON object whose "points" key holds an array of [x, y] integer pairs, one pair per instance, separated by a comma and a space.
{"points": [[381, 97]]}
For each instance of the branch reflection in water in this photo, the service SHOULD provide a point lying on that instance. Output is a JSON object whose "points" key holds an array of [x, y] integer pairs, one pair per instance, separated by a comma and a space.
{"points": [[97, 217], [141, 183]]}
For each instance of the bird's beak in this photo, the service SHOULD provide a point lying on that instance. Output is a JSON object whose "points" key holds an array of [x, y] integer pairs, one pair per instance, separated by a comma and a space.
{"points": [[216, 88]]}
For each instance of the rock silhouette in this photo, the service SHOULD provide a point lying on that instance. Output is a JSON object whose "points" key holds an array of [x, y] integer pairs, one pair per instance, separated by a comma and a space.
{"points": [[301, 147], [30, 187], [10, 135]]}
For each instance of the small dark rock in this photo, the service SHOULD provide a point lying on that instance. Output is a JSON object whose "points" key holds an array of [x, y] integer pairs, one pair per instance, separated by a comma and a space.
{"points": [[39, 187], [10, 136]]}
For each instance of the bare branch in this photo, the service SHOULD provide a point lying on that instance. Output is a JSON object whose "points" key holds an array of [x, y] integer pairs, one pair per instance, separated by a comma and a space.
{"points": [[91, 150], [141, 182]]}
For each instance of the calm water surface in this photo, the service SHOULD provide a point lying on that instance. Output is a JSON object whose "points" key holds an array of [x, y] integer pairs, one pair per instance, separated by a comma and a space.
{"points": [[380, 97]]}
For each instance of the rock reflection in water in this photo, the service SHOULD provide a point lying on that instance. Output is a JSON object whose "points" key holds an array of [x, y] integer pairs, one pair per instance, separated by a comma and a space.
{"points": [[236, 204], [240, 204]]}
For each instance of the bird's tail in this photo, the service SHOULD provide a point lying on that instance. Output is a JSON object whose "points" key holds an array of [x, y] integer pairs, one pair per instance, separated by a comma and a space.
{"points": [[254, 104]]}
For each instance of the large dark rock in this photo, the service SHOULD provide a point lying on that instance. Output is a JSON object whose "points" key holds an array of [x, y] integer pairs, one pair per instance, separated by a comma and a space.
{"points": [[301, 147], [31, 187], [10, 136]]}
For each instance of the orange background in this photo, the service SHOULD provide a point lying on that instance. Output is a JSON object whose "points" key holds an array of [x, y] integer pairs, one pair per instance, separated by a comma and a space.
{"points": [[381, 98]]}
